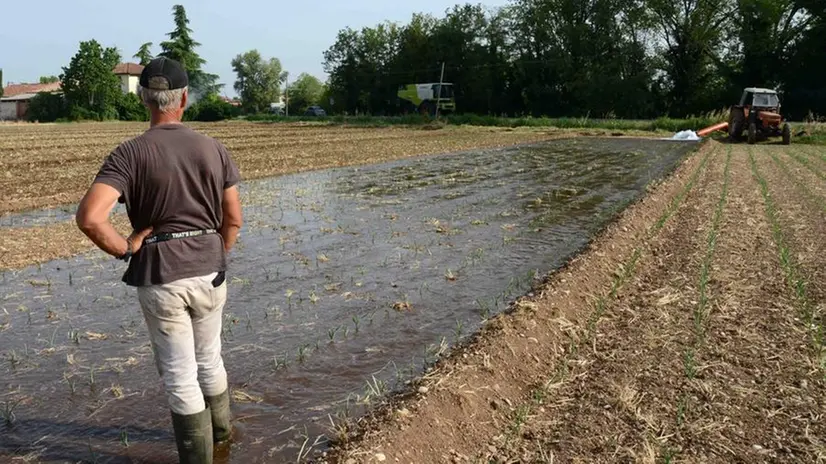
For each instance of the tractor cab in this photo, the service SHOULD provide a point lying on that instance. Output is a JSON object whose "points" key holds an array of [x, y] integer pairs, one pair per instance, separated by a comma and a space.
{"points": [[760, 99]]}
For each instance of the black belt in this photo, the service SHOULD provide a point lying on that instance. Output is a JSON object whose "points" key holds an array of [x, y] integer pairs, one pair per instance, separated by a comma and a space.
{"points": [[176, 235]]}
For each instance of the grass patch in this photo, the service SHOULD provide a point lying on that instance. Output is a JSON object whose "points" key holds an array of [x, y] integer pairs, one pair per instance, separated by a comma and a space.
{"points": [[653, 125], [815, 133]]}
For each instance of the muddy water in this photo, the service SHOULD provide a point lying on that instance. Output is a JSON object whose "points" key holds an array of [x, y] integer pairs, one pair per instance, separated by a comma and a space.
{"points": [[344, 284]]}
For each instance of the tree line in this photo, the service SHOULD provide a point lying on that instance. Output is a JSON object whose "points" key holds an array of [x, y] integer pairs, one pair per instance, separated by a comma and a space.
{"points": [[635, 59], [91, 91], [598, 58]]}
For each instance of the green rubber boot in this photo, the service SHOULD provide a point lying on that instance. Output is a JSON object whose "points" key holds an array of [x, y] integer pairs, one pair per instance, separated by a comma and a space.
{"points": [[221, 415], [193, 436]]}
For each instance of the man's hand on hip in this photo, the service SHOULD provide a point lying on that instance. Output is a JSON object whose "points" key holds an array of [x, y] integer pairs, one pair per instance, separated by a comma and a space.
{"points": [[93, 219], [137, 238]]}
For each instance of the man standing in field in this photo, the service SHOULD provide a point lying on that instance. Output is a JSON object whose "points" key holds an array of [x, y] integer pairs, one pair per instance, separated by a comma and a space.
{"points": [[179, 188]]}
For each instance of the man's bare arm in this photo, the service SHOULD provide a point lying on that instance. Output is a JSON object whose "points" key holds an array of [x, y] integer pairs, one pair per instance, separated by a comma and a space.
{"points": [[232, 220], [93, 219]]}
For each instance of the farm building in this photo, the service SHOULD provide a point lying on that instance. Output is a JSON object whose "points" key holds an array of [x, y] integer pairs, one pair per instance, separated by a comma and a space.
{"points": [[16, 98], [129, 74], [231, 101]]}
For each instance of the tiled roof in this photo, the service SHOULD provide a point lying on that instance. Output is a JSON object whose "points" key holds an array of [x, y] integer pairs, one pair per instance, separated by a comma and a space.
{"points": [[132, 69], [19, 97], [17, 89]]}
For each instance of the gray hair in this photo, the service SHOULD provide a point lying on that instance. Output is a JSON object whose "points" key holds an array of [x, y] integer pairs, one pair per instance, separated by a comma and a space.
{"points": [[165, 100]]}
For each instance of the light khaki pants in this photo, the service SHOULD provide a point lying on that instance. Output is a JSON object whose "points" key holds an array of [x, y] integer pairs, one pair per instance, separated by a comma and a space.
{"points": [[184, 321]]}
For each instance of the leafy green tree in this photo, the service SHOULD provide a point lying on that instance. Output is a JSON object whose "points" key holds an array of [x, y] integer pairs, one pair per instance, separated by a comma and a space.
{"points": [[181, 47], [46, 107], [603, 58], [90, 87], [258, 81], [694, 35], [341, 62], [144, 54], [49, 79], [306, 91], [580, 57], [805, 88], [327, 100]]}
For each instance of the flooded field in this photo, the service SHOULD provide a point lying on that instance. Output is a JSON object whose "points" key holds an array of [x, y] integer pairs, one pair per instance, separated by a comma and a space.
{"points": [[345, 283]]}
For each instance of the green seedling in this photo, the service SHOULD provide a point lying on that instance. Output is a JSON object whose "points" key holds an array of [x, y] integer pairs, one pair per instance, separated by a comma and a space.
{"points": [[283, 362], [7, 410], [302, 353], [14, 359], [51, 339], [520, 416], [289, 294], [458, 330], [124, 438], [331, 333], [689, 364], [449, 275], [92, 384], [71, 382], [681, 409], [377, 388], [356, 322], [538, 395]]}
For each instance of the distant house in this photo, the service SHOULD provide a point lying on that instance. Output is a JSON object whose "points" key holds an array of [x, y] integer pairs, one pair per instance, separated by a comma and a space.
{"points": [[129, 74], [16, 97], [231, 101]]}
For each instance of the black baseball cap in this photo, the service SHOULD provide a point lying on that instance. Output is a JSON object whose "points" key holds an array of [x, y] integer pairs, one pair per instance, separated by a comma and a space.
{"points": [[164, 73]]}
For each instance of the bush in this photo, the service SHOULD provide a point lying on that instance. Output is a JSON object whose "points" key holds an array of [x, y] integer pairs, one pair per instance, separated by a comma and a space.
{"points": [[46, 107], [211, 109], [130, 108], [78, 113]]}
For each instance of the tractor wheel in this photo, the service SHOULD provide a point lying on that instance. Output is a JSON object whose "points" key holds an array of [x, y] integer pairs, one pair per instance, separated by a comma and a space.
{"points": [[752, 133], [736, 124], [735, 130], [787, 134]]}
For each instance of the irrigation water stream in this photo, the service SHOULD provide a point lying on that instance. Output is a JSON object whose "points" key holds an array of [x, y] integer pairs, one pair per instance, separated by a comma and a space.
{"points": [[344, 284]]}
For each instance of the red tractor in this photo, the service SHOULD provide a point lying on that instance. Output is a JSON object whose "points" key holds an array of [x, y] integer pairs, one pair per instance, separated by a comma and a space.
{"points": [[758, 114]]}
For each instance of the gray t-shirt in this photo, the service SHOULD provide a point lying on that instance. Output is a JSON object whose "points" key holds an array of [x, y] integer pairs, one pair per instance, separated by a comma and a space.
{"points": [[172, 178]]}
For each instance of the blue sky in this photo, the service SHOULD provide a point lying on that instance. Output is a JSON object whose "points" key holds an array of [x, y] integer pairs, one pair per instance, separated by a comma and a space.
{"points": [[38, 38]]}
